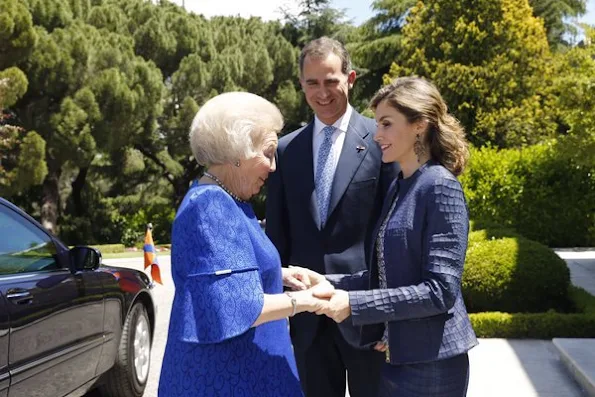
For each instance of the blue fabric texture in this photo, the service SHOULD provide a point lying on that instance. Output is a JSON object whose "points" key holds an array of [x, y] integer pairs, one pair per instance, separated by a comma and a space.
{"points": [[324, 173], [222, 265]]}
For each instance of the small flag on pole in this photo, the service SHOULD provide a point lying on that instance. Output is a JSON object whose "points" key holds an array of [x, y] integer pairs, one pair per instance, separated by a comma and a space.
{"points": [[151, 255]]}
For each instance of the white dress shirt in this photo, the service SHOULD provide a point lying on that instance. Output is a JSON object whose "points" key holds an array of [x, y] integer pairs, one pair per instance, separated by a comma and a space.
{"points": [[338, 139]]}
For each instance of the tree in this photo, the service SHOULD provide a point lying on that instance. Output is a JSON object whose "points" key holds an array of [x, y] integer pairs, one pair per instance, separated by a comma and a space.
{"points": [[490, 60], [574, 90], [314, 18], [556, 15], [22, 161], [99, 96], [375, 46], [88, 93]]}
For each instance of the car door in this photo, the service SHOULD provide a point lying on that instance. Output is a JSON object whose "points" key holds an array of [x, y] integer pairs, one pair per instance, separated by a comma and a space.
{"points": [[56, 316], [4, 334]]}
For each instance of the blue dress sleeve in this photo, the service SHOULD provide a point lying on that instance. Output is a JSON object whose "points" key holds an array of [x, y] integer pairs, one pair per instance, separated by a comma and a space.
{"points": [[221, 293]]}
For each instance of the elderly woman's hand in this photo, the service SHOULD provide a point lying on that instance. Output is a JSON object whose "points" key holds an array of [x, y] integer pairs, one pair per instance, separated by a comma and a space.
{"points": [[338, 307], [299, 278], [307, 302]]}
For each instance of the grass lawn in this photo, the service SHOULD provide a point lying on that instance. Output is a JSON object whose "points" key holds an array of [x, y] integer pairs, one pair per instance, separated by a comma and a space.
{"points": [[127, 254]]}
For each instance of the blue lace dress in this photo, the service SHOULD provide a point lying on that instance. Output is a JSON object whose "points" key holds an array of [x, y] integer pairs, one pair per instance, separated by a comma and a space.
{"points": [[222, 265]]}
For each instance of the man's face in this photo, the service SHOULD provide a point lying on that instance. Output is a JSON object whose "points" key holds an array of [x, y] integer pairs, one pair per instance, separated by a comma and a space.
{"points": [[326, 87]]}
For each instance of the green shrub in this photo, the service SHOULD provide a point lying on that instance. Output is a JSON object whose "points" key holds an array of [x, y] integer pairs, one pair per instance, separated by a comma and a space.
{"points": [[582, 300], [490, 234], [533, 325], [540, 191], [513, 274], [540, 325]]}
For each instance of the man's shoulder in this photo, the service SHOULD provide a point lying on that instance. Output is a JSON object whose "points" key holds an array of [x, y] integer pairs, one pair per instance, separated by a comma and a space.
{"points": [[286, 139]]}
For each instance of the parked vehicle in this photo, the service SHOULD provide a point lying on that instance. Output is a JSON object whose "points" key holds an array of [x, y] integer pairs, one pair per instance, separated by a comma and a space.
{"points": [[68, 323]]}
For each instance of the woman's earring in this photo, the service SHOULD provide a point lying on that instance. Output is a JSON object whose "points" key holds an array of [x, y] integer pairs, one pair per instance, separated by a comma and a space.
{"points": [[418, 148], [238, 163]]}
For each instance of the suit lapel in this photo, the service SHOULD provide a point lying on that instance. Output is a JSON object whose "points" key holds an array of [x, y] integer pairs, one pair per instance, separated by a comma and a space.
{"points": [[303, 171], [351, 157]]}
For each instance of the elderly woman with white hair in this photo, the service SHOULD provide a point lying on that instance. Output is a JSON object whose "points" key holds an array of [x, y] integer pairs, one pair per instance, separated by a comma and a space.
{"points": [[228, 332]]}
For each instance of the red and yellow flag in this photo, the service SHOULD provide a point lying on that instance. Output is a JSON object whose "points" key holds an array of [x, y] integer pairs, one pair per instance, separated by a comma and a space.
{"points": [[151, 256]]}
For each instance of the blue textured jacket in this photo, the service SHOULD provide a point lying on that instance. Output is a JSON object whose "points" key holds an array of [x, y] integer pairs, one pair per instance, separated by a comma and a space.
{"points": [[424, 253]]}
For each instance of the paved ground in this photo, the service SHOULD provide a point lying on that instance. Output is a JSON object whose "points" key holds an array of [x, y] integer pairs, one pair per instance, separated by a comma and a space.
{"points": [[499, 367], [519, 368], [582, 267]]}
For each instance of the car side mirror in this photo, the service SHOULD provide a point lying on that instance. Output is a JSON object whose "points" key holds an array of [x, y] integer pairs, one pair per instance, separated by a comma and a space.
{"points": [[85, 258]]}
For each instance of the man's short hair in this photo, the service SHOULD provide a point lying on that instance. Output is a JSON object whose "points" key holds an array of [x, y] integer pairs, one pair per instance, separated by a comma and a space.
{"points": [[322, 47]]}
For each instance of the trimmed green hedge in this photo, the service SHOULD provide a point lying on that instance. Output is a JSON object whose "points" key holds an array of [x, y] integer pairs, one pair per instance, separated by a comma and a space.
{"points": [[533, 325], [540, 325], [513, 274], [539, 191]]}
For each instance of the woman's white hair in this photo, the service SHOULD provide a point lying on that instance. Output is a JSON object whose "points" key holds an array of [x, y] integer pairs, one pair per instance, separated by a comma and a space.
{"points": [[231, 127]]}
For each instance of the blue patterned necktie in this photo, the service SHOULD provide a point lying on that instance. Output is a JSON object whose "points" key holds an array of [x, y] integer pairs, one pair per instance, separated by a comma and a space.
{"points": [[324, 173]]}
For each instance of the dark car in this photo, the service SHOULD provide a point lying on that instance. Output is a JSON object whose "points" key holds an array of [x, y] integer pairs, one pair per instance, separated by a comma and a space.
{"points": [[67, 323]]}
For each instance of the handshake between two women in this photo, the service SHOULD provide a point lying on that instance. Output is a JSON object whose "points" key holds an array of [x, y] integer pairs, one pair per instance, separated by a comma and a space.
{"points": [[315, 294]]}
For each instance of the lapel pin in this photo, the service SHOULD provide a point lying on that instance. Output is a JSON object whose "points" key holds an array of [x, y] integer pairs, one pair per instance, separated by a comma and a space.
{"points": [[360, 148]]}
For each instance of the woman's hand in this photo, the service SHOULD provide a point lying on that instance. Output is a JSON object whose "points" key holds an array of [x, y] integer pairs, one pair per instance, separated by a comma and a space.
{"points": [[299, 278], [307, 302], [295, 278], [381, 347], [338, 307]]}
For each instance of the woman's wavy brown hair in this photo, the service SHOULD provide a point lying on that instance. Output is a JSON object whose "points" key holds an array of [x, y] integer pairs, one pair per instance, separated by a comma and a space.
{"points": [[418, 99]]}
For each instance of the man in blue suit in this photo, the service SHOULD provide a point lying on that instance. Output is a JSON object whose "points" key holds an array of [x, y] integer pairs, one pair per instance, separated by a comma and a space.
{"points": [[322, 204]]}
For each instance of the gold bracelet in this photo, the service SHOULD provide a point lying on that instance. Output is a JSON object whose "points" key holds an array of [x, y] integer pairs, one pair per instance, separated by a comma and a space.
{"points": [[293, 303]]}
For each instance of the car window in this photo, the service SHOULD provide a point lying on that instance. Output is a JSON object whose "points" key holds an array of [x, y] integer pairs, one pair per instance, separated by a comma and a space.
{"points": [[23, 246]]}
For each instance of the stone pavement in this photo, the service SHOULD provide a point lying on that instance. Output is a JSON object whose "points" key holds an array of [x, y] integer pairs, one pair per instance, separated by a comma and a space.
{"points": [[582, 267], [519, 368]]}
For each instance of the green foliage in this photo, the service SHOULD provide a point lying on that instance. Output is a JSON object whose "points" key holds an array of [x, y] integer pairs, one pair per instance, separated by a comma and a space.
{"points": [[121, 219], [50, 14], [532, 325], [540, 325], [13, 85], [555, 15], [376, 45], [583, 301], [109, 17], [540, 191], [490, 60], [513, 275], [314, 18], [17, 35], [574, 90], [22, 164], [111, 87]]}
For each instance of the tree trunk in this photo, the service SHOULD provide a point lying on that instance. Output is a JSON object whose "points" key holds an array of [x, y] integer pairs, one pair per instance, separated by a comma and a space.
{"points": [[77, 189], [50, 204]]}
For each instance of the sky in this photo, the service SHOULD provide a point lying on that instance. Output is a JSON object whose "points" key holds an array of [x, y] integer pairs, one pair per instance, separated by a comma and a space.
{"points": [[357, 10]]}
